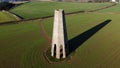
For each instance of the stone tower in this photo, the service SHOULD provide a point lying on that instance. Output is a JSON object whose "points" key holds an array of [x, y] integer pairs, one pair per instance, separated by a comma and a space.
{"points": [[59, 38]]}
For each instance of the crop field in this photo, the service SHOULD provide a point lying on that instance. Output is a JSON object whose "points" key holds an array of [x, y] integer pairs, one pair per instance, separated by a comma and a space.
{"points": [[41, 9], [6, 17], [95, 36]]}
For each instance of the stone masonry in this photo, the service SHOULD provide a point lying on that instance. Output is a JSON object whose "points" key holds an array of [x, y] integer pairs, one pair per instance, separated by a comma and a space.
{"points": [[59, 38]]}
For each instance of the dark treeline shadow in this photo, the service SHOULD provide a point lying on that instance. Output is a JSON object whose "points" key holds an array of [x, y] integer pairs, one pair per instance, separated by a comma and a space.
{"points": [[77, 41]]}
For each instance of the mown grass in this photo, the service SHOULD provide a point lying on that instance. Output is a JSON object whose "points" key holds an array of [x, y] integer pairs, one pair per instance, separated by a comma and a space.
{"points": [[6, 17], [18, 43], [100, 50], [81, 21], [22, 45], [41, 9], [112, 9]]}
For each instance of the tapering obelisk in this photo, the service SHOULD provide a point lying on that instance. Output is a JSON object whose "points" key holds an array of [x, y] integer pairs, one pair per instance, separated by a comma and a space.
{"points": [[59, 38]]}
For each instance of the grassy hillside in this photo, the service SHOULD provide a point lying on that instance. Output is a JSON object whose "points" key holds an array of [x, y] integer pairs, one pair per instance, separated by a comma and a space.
{"points": [[40, 9], [6, 17], [22, 45], [112, 9]]}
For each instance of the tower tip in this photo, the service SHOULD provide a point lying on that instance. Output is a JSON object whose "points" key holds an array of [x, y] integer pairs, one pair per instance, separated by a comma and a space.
{"points": [[59, 10]]}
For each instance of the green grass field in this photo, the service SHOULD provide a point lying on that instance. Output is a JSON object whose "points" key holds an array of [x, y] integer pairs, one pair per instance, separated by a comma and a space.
{"points": [[6, 17], [22, 45], [18, 43], [99, 51], [41, 9], [114, 9]]}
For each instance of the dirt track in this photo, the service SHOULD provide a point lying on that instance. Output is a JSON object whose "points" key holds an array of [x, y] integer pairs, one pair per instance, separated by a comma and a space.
{"points": [[43, 32]]}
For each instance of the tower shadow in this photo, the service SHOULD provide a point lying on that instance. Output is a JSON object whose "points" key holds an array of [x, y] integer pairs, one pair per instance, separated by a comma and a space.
{"points": [[77, 41]]}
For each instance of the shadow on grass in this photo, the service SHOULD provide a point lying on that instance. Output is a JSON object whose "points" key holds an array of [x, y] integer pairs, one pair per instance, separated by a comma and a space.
{"points": [[77, 41]]}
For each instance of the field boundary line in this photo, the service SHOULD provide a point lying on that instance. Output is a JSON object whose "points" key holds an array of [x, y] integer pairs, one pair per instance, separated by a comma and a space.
{"points": [[76, 12], [14, 15]]}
